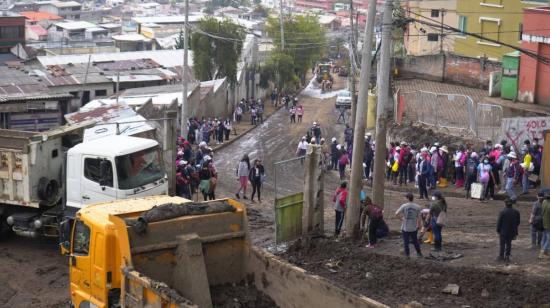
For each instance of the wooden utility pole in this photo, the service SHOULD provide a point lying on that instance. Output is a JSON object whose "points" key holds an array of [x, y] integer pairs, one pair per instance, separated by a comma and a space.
{"points": [[383, 86], [183, 123], [352, 214]]}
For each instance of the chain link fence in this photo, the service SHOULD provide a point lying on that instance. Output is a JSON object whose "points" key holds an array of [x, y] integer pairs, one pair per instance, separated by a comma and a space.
{"points": [[455, 112]]}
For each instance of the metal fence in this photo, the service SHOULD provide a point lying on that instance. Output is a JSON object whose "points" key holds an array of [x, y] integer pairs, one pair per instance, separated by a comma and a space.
{"points": [[450, 111], [289, 198], [488, 121]]}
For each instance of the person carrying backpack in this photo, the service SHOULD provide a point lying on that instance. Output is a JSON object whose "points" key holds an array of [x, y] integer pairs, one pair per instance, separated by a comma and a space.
{"points": [[376, 217], [340, 201]]}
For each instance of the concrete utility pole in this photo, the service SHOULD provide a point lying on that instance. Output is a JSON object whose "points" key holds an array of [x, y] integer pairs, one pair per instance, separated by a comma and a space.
{"points": [[441, 51], [281, 21], [383, 85], [352, 214], [351, 72], [183, 123], [351, 80]]}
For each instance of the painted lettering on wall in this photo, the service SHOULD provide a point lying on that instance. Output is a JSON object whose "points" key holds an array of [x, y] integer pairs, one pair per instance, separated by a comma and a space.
{"points": [[517, 130]]}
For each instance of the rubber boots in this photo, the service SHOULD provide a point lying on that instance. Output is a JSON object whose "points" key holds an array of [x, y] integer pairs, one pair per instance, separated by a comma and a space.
{"points": [[430, 239], [443, 183]]}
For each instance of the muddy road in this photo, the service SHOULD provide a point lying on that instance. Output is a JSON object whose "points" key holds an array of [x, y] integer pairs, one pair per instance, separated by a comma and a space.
{"points": [[32, 274], [273, 141]]}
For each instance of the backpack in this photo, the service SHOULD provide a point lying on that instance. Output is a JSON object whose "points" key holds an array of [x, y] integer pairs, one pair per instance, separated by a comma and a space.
{"points": [[375, 212], [462, 159], [343, 160], [407, 159]]}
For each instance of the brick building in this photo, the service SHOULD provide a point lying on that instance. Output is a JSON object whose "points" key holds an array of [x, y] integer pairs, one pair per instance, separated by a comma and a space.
{"points": [[534, 75], [12, 31]]}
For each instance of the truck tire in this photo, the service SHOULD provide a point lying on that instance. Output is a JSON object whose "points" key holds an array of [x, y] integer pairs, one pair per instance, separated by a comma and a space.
{"points": [[48, 191], [5, 229]]}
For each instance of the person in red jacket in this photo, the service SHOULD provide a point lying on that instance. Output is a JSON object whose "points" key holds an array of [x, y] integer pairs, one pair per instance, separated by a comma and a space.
{"points": [[404, 159], [340, 199]]}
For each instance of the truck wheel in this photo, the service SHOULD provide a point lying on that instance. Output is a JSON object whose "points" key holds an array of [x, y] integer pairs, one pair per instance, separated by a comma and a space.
{"points": [[5, 229]]}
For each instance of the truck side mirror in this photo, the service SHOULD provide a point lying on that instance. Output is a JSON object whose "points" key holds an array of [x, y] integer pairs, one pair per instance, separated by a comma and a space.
{"points": [[104, 175]]}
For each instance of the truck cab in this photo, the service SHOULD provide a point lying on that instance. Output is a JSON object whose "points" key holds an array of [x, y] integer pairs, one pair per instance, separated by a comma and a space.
{"points": [[112, 168]]}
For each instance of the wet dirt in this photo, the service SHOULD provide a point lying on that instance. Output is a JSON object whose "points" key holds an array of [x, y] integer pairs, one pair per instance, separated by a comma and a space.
{"points": [[395, 280], [240, 296], [32, 274]]}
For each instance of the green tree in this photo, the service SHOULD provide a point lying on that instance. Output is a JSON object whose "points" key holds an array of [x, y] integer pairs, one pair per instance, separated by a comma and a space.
{"points": [[280, 68], [305, 40], [180, 40], [217, 47]]}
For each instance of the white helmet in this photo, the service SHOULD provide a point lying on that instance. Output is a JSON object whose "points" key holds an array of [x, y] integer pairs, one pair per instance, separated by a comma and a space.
{"points": [[207, 158], [333, 139], [202, 144], [314, 123], [338, 147]]}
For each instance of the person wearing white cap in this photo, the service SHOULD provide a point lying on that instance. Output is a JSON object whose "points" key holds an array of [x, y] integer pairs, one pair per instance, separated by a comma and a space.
{"points": [[302, 148], [513, 175], [208, 179]]}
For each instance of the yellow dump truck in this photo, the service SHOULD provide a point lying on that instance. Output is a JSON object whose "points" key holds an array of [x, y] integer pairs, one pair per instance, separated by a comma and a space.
{"points": [[169, 252]]}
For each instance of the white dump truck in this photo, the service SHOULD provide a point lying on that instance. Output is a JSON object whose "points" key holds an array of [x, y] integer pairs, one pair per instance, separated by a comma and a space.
{"points": [[46, 177]]}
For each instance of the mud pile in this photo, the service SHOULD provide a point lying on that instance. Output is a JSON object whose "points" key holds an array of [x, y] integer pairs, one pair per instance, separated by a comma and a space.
{"points": [[395, 280]]}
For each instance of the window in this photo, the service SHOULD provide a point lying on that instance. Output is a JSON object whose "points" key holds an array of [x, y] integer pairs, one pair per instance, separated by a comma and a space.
{"points": [[140, 168], [433, 37], [10, 32], [76, 8], [81, 239], [497, 3], [100, 92], [462, 21], [490, 29], [92, 167], [520, 31], [435, 13]]}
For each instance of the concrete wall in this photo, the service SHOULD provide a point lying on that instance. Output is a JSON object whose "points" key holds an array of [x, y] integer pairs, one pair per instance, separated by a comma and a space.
{"points": [[291, 286], [452, 68], [534, 76], [416, 42]]}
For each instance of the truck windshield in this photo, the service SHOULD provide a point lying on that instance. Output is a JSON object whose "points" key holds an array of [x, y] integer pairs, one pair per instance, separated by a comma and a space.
{"points": [[140, 168]]}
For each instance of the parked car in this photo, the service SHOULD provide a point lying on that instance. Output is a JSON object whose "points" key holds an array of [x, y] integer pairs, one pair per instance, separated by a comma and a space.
{"points": [[343, 99]]}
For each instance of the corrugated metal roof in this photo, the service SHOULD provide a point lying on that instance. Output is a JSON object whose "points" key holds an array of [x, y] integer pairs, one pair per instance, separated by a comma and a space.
{"points": [[166, 58], [38, 16]]}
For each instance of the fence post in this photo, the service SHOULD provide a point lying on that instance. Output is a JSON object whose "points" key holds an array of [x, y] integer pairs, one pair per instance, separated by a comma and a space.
{"points": [[312, 222]]}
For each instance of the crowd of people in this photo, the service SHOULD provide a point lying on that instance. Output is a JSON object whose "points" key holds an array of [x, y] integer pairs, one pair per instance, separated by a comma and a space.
{"points": [[491, 167], [195, 171], [209, 130]]}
